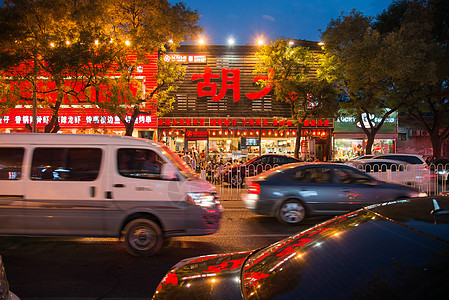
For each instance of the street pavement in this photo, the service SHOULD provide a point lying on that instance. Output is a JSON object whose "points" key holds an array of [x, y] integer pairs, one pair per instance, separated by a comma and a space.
{"points": [[88, 268]]}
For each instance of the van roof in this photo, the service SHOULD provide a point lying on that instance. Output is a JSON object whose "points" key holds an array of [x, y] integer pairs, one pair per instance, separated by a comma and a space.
{"points": [[68, 138]]}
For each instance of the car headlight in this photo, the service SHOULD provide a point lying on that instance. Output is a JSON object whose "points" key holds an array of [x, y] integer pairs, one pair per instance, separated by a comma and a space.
{"points": [[422, 194], [202, 199]]}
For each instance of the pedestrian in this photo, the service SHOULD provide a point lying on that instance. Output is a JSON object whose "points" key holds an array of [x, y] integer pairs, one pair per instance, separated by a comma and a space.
{"points": [[188, 158]]}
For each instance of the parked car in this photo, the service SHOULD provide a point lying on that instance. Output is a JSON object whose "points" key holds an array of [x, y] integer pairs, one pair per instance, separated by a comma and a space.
{"points": [[408, 158], [5, 293], [397, 171], [236, 174], [294, 191], [393, 250], [364, 156]]}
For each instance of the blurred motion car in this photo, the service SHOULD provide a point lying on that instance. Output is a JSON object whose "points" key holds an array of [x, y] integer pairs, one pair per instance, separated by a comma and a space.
{"points": [[294, 191], [392, 250], [236, 174], [396, 171], [5, 293]]}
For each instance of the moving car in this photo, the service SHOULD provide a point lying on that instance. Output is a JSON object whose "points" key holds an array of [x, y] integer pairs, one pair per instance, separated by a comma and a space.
{"points": [[236, 174], [393, 250], [102, 186], [294, 191], [5, 293]]}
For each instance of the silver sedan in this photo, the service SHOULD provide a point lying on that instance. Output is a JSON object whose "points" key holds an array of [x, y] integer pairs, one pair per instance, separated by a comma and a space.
{"points": [[294, 191]]}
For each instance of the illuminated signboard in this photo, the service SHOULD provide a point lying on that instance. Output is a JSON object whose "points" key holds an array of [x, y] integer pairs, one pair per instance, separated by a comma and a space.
{"points": [[184, 58], [72, 119]]}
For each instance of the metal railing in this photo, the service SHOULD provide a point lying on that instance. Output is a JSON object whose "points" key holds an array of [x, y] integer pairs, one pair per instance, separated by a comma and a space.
{"points": [[230, 181]]}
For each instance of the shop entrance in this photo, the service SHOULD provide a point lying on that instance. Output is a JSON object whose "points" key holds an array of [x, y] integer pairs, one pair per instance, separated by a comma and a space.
{"points": [[199, 145]]}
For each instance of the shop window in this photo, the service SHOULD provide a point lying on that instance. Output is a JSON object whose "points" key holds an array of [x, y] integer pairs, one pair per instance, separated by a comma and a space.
{"points": [[66, 164], [11, 163], [139, 163]]}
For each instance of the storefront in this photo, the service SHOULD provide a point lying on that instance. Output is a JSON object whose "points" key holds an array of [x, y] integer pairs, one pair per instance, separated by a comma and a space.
{"points": [[82, 116], [224, 139], [219, 95], [350, 140]]}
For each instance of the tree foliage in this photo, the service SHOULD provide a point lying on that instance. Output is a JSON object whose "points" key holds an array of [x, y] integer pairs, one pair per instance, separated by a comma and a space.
{"points": [[93, 43], [291, 75], [356, 61], [418, 35]]}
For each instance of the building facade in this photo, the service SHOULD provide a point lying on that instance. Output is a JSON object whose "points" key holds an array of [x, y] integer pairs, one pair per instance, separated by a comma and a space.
{"points": [[222, 111]]}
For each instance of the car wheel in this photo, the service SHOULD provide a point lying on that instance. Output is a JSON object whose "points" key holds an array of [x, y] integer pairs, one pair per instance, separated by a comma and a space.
{"points": [[143, 237], [291, 212], [236, 180]]}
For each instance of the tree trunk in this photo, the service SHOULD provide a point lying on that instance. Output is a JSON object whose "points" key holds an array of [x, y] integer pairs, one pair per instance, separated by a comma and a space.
{"points": [[436, 141], [370, 143], [130, 126], [298, 140], [53, 125]]}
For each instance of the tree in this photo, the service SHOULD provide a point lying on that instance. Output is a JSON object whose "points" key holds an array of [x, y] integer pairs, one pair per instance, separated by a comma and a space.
{"points": [[355, 62], [93, 43], [147, 26], [418, 35], [46, 42], [290, 73]]}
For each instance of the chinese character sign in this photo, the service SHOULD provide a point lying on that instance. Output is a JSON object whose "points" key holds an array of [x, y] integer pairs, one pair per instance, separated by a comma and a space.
{"points": [[230, 80]]}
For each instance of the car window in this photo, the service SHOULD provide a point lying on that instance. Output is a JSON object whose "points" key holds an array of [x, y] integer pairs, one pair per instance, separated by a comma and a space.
{"points": [[11, 163], [139, 163], [66, 164], [350, 176], [280, 160], [406, 158], [312, 175]]}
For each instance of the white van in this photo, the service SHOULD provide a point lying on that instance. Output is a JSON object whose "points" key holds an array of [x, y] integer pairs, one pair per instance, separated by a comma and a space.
{"points": [[103, 186]]}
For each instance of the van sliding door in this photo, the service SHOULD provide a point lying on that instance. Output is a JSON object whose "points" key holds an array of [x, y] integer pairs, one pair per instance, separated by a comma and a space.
{"points": [[65, 195]]}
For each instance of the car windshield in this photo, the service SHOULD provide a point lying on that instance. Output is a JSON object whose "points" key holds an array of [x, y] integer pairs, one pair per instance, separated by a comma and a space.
{"points": [[345, 254], [186, 171]]}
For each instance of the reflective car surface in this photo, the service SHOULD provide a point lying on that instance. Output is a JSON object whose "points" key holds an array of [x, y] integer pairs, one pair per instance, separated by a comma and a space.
{"points": [[392, 250], [236, 174], [5, 293], [292, 192]]}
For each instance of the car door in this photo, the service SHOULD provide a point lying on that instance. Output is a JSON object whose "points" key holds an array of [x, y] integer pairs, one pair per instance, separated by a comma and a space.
{"points": [[136, 188], [65, 193], [356, 189], [12, 209], [315, 186]]}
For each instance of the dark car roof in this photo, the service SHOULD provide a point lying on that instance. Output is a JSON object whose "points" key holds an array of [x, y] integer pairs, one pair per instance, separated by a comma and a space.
{"points": [[392, 250], [274, 154], [284, 168]]}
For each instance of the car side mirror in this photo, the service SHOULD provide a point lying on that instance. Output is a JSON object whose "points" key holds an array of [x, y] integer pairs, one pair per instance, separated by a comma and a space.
{"points": [[169, 172]]}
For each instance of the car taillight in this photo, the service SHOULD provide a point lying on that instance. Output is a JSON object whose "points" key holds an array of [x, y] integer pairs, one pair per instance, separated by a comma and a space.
{"points": [[253, 188]]}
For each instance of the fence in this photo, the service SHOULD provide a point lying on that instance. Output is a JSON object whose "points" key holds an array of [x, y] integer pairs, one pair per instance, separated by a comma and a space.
{"points": [[229, 180]]}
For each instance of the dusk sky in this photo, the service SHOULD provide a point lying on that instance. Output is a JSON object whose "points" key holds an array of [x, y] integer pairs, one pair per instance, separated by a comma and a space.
{"points": [[245, 20]]}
